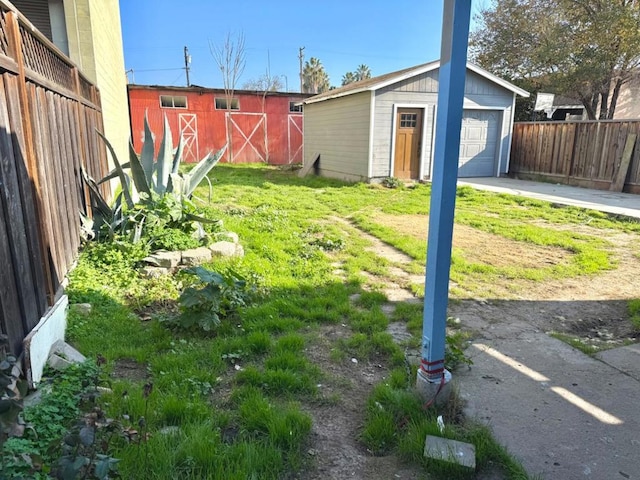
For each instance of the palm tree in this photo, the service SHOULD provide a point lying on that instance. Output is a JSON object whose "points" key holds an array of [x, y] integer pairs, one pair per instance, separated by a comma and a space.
{"points": [[348, 78], [314, 76], [362, 72]]}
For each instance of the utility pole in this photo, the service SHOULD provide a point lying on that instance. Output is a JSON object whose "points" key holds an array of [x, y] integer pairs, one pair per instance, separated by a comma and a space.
{"points": [[432, 376], [187, 61], [301, 58]]}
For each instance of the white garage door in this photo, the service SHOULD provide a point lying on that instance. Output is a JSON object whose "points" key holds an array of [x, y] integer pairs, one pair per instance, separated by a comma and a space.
{"points": [[479, 143]]}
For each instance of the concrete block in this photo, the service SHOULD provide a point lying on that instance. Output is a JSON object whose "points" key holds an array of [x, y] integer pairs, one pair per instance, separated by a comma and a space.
{"points": [[66, 351], [163, 258], [58, 363], [226, 249], [81, 308], [450, 451], [229, 237], [196, 256], [436, 392], [154, 272]]}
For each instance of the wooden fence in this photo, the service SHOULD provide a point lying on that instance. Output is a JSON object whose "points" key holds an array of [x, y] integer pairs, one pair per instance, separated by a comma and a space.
{"points": [[583, 153], [48, 116]]}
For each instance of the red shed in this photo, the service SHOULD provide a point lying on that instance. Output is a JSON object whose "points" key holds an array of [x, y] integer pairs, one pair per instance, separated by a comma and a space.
{"points": [[259, 127]]}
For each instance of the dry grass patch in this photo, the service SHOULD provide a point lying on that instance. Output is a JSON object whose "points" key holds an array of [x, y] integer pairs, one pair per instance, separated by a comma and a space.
{"points": [[481, 247]]}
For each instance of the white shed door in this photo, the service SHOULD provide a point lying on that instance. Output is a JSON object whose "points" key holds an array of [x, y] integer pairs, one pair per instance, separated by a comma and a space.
{"points": [[479, 143]]}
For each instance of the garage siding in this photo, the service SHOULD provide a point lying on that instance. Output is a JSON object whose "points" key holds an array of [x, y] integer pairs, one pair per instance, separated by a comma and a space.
{"points": [[338, 130], [422, 92]]}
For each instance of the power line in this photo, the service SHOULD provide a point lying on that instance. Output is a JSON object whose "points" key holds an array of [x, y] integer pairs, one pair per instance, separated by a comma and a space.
{"points": [[159, 69]]}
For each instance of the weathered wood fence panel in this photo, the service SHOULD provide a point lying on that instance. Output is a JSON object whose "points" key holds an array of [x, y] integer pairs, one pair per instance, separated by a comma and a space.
{"points": [[49, 114], [583, 153]]}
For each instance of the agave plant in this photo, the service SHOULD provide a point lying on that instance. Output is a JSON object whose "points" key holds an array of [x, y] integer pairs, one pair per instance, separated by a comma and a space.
{"points": [[152, 179], [159, 175]]}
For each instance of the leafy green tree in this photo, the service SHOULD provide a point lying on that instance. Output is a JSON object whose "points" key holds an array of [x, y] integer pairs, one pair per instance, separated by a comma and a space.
{"points": [[314, 77], [586, 49]]}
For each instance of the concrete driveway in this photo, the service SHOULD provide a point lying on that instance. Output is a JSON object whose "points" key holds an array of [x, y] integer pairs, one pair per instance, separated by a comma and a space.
{"points": [[626, 204]]}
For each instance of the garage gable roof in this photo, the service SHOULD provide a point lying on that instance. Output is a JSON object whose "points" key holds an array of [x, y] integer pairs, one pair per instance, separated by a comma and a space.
{"points": [[375, 83]]}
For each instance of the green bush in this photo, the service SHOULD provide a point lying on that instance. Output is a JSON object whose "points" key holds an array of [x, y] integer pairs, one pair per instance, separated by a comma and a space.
{"points": [[212, 297]]}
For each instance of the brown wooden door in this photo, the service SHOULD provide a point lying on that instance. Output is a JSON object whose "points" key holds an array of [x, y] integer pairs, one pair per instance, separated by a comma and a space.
{"points": [[408, 137]]}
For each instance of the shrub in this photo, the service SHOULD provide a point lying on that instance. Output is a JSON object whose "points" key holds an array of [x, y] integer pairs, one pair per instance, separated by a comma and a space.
{"points": [[212, 297]]}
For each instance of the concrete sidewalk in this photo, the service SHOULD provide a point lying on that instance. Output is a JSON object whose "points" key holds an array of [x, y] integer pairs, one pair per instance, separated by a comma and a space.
{"points": [[563, 414], [611, 202]]}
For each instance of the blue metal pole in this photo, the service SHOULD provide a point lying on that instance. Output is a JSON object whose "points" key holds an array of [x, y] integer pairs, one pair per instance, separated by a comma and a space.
{"points": [[453, 67]]}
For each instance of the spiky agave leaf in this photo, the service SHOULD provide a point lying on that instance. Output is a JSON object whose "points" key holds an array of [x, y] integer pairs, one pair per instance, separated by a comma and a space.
{"points": [[193, 179], [113, 173], [164, 164], [121, 174], [147, 154], [177, 158], [137, 172]]}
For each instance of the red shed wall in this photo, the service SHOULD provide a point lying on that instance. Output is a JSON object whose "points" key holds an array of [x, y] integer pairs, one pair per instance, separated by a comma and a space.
{"points": [[256, 132]]}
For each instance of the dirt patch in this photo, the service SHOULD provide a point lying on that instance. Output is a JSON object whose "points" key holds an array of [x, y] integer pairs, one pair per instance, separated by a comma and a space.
{"points": [[334, 447], [128, 369], [481, 247], [591, 308]]}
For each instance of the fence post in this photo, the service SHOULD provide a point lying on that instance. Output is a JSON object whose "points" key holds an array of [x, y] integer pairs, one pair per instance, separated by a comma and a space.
{"points": [[83, 138], [15, 50]]}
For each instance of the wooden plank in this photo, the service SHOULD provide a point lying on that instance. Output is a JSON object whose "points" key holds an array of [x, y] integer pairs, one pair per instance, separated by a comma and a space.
{"points": [[68, 173], [10, 195], [634, 176], [48, 192], [15, 47], [618, 181], [55, 172], [9, 306], [308, 166], [29, 203]]}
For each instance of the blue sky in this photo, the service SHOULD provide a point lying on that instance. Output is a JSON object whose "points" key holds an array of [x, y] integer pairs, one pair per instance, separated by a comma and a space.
{"points": [[386, 35]]}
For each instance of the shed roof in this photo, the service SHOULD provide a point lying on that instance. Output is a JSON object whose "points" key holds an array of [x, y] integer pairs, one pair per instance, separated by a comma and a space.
{"points": [[375, 83], [199, 89]]}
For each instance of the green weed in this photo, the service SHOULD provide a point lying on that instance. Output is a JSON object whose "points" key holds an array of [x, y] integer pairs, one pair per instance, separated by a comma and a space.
{"points": [[634, 313]]}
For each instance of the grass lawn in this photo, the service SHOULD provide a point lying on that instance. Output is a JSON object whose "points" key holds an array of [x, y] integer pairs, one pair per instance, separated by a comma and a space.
{"points": [[237, 403]]}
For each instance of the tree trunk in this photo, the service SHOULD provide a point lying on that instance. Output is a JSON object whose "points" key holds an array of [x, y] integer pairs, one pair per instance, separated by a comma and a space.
{"points": [[589, 106], [614, 98], [604, 105]]}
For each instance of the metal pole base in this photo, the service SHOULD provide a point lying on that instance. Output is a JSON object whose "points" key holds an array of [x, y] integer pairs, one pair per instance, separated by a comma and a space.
{"points": [[434, 391]]}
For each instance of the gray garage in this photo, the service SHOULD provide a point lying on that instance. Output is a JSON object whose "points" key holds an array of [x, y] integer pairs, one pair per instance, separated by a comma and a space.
{"points": [[385, 126]]}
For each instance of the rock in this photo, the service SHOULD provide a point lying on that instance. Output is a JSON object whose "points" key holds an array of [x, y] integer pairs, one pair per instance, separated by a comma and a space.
{"points": [[226, 249], [163, 258], [81, 308], [229, 237], [354, 297], [196, 256], [35, 397], [154, 272]]}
